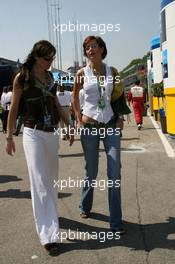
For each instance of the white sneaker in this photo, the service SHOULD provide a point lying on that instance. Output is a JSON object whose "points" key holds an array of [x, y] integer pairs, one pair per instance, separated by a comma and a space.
{"points": [[139, 126]]}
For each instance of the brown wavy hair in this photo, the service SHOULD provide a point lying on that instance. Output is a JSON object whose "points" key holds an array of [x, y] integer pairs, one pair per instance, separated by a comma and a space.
{"points": [[40, 49], [100, 43]]}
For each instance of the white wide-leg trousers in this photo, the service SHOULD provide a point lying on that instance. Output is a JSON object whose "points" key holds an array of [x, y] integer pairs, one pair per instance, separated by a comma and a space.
{"points": [[41, 151]]}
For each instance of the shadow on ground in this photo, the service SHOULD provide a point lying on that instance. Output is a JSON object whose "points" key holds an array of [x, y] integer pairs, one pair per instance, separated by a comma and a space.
{"points": [[139, 237], [8, 178], [18, 194], [130, 139], [76, 154]]}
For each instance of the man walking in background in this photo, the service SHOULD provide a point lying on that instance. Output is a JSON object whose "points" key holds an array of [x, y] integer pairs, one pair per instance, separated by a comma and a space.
{"points": [[136, 96]]}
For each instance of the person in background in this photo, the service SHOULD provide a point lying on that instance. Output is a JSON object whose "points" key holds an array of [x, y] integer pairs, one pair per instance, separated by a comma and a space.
{"points": [[6, 105], [5, 90], [1, 114], [136, 96], [64, 98], [98, 114], [42, 112]]}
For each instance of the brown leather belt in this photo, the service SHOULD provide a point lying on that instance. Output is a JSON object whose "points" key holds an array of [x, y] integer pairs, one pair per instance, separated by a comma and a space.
{"points": [[40, 127], [99, 124]]}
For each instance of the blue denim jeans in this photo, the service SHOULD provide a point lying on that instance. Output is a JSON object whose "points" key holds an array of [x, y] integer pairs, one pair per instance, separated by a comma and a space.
{"points": [[90, 144]]}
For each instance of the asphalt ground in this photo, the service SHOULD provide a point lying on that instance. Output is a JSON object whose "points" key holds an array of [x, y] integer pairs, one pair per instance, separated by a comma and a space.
{"points": [[148, 202]]}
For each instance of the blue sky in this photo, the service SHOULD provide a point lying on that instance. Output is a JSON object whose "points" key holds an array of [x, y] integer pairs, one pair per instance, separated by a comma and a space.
{"points": [[23, 22]]}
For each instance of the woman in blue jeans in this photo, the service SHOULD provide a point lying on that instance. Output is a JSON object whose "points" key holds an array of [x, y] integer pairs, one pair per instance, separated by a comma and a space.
{"points": [[98, 122]]}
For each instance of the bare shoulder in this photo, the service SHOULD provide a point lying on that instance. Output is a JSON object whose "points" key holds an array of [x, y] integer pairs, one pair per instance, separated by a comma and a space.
{"points": [[16, 81], [17, 77], [80, 72], [17, 87], [114, 71]]}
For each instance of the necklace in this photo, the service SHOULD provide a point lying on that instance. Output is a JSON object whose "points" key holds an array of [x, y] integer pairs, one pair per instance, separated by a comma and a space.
{"points": [[44, 80], [101, 85], [99, 73]]}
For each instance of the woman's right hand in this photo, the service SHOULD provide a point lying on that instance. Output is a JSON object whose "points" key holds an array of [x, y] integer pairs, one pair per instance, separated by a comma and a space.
{"points": [[79, 124], [10, 147]]}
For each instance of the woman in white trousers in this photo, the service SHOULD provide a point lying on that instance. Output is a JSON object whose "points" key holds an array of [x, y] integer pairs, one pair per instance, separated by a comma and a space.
{"points": [[34, 86]]}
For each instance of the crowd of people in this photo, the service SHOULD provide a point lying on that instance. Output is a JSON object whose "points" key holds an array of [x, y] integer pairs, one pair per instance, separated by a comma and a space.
{"points": [[45, 106]]}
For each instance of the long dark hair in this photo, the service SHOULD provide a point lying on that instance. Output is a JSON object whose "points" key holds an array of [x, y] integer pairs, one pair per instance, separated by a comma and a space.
{"points": [[40, 49]]}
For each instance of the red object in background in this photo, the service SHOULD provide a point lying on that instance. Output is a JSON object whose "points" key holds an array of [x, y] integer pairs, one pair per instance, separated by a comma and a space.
{"points": [[138, 111], [137, 102]]}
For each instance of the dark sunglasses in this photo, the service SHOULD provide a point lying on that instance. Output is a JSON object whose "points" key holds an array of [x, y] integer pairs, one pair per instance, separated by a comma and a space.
{"points": [[48, 58]]}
